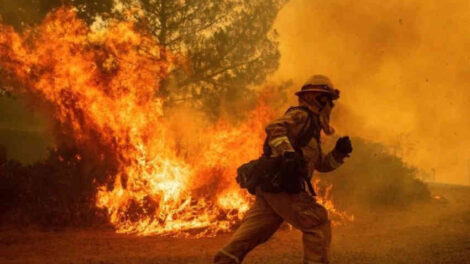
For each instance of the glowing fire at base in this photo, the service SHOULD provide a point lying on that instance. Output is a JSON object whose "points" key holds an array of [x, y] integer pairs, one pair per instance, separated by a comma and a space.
{"points": [[100, 85]]}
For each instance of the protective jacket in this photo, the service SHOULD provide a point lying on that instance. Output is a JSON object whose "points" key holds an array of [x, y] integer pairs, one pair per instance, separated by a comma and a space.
{"points": [[282, 132]]}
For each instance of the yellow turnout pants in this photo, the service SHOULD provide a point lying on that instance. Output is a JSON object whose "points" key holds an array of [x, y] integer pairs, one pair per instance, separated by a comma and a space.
{"points": [[265, 217]]}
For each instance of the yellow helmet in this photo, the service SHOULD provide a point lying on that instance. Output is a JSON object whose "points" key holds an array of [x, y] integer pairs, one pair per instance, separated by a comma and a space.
{"points": [[320, 84]]}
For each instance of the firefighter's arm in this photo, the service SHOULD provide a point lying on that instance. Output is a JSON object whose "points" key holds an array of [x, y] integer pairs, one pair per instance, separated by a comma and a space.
{"points": [[318, 160], [328, 162], [279, 129], [335, 158]]}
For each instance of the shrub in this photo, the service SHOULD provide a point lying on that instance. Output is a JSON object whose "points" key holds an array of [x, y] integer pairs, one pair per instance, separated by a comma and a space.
{"points": [[374, 177]]}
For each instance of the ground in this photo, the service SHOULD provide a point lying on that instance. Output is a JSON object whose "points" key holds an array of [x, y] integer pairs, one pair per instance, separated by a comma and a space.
{"points": [[435, 232]]}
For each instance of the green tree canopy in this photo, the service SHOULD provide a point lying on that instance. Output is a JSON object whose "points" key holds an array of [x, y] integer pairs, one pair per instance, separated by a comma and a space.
{"points": [[229, 45]]}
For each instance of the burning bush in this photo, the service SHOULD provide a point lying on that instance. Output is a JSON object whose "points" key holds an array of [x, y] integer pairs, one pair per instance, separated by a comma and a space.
{"points": [[99, 86]]}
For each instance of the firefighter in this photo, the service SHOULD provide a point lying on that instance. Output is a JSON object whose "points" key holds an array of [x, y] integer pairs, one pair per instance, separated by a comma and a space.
{"points": [[294, 136]]}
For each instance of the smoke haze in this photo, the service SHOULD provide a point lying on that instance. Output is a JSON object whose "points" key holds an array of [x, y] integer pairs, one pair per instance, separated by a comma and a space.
{"points": [[402, 68]]}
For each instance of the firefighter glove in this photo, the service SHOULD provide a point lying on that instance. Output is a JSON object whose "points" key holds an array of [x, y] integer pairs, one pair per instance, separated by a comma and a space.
{"points": [[343, 148]]}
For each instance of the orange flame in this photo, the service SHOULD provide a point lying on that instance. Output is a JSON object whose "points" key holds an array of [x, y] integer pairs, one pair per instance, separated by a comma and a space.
{"points": [[101, 83]]}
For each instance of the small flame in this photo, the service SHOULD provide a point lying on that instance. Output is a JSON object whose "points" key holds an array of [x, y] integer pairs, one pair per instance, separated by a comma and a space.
{"points": [[337, 216]]}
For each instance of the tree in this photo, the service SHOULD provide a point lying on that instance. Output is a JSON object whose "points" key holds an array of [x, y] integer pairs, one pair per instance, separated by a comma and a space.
{"points": [[229, 45]]}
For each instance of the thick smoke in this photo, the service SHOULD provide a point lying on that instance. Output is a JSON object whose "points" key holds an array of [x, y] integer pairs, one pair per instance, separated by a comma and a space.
{"points": [[401, 67]]}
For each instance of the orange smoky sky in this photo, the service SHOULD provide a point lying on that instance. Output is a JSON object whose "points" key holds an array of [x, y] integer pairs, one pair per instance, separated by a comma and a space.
{"points": [[402, 68]]}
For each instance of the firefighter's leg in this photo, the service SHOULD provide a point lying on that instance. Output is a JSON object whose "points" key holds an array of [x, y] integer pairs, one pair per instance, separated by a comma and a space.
{"points": [[316, 243], [304, 213], [259, 225]]}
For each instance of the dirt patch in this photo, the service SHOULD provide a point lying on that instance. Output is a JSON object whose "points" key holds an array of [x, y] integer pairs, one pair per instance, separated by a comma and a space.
{"points": [[437, 232]]}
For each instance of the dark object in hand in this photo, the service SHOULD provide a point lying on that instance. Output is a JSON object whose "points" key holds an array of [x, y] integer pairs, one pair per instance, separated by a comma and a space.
{"points": [[292, 156], [292, 172], [343, 147], [291, 162]]}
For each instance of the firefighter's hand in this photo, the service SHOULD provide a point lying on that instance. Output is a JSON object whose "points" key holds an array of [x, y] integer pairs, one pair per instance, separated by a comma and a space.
{"points": [[292, 158], [292, 162], [343, 148]]}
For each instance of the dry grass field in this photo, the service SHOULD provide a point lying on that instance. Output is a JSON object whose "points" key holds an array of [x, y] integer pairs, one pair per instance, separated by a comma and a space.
{"points": [[436, 232]]}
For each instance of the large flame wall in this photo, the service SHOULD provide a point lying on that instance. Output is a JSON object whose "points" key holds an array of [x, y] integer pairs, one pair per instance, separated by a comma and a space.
{"points": [[100, 85]]}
